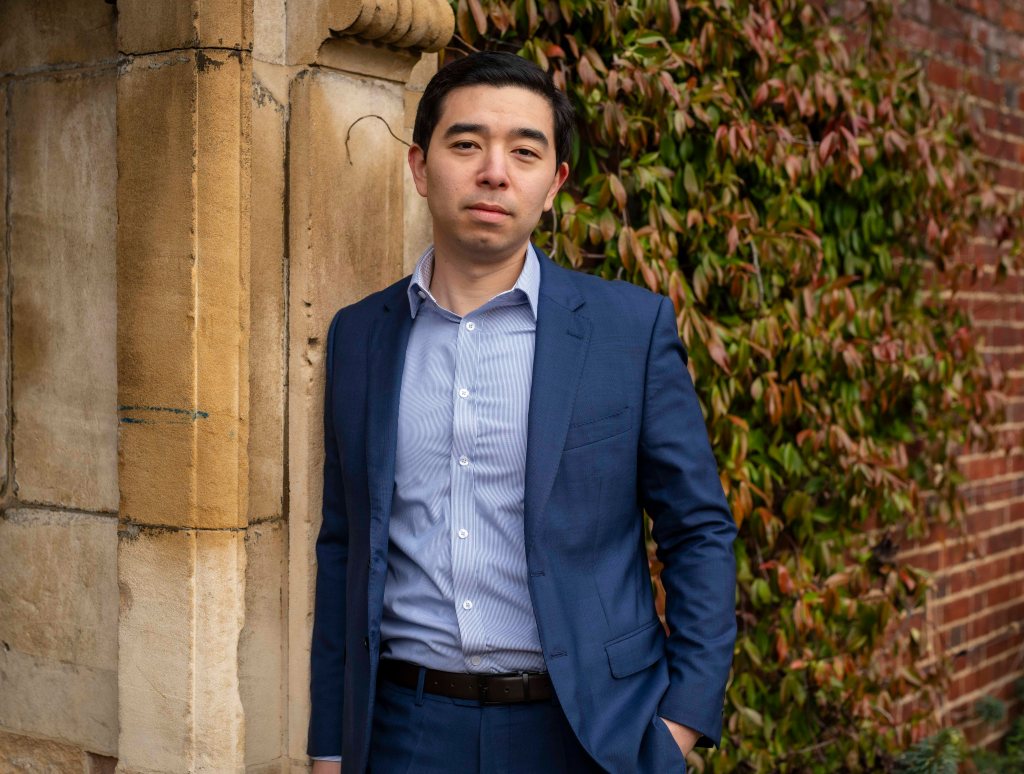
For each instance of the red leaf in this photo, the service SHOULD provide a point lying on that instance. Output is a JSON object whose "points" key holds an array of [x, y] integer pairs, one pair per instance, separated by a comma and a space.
{"points": [[479, 17]]}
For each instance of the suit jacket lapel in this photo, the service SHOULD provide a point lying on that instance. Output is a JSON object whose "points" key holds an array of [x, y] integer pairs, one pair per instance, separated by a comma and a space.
{"points": [[383, 390], [561, 345]]}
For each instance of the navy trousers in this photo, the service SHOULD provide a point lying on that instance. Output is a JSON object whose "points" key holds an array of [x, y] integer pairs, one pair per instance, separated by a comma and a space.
{"points": [[421, 733]]}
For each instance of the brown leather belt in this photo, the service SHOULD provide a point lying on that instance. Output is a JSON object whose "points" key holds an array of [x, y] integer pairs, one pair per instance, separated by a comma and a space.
{"points": [[510, 688]]}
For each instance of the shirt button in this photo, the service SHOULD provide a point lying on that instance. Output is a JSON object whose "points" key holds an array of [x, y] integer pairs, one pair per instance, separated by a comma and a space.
{"points": [[463, 392], [475, 661], [463, 460], [463, 533], [467, 605], [470, 326]]}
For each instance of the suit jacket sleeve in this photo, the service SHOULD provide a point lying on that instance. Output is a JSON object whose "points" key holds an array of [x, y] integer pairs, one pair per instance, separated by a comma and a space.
{"points": [[694, 531], [327, 657]]}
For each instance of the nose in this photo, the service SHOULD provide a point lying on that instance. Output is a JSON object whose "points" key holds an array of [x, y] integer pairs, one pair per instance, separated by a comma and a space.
{"points": [[494, 170]]}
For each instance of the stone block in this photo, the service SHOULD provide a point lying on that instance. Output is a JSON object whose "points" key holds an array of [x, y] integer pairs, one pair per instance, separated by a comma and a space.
{"points": [[58, 625], [183, 225], [219, 617], [146, 26], [156, 641], [40, 33], [27, 755], [181, 613], [269, 34], [267, 273], [63, 218], [262, 647], [5, 344], [280, 766]]}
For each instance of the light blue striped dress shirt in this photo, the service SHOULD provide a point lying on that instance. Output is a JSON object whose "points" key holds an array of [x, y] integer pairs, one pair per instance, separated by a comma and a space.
{"points": [[456, 596]]}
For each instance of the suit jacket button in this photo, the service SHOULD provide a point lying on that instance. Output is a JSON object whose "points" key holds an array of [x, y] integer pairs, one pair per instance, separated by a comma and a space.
{"points": [[366, 642]]}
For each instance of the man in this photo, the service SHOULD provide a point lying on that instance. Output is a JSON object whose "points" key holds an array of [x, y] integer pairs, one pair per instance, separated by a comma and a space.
{"points": [[495, 425]]}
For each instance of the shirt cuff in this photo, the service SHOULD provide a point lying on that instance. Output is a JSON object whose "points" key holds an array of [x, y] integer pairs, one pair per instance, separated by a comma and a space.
{"points": [[332, 758]]}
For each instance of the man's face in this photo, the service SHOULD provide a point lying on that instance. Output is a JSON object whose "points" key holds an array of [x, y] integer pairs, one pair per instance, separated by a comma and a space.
{"points": [[490, 171]]}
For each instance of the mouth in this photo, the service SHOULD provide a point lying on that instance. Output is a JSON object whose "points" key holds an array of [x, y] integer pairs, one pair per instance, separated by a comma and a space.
{"points": [[491, 213]]}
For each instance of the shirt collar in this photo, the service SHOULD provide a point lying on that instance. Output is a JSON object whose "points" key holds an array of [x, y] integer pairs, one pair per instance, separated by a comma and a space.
{"points": [[528, 282]]}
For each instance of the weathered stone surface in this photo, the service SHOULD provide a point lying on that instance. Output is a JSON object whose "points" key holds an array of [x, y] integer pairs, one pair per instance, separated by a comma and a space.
{"points": [[279, 766], [424, 25], [5, 374], [220, 615], [262, 647], [37, 33], [27, 755], [156, 669], [63, 220], [100, 764], [146, 26], [183, 225], [358, 57], [420, 25], [182, 605], [267, 261], [269, 34], [58, 623]]}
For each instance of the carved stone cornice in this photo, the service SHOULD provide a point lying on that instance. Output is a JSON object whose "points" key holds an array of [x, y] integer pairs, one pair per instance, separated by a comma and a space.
{"points": [[421, 25]]}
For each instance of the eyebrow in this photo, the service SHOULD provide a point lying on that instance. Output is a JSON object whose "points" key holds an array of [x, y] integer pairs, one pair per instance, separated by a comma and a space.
{"points": [[525, 132]]}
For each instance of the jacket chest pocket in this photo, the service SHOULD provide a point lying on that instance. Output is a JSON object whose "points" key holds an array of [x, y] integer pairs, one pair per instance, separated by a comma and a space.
{"points": [[591, 431]]}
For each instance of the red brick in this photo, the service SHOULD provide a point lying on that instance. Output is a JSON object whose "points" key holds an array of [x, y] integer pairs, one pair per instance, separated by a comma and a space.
{"points": [[1012, 589], [997, 464], [1013, 19], [1010, 123], [1002, 541], [1012, 640], [912, 35], [945, 75], [1011, 178], [947, 18], [989, 621], [978, 575], [1002, 148], [996, 310], [957, 610], [984, 519], [960, 50]]}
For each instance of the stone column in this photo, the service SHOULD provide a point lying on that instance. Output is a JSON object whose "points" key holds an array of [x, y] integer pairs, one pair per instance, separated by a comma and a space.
{"points": [[183, 125]]}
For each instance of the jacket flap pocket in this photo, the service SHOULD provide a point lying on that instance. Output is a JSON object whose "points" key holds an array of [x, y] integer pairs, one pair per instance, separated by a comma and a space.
{"points": [[637, 650], [598, 429]]}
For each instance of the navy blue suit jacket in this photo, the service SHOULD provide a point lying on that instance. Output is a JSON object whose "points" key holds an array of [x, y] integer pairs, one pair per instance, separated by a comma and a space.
{"points": [[614, 428]]}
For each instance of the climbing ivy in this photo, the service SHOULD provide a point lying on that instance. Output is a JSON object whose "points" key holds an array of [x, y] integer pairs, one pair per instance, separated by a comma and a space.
{"points": [[805, 201]]}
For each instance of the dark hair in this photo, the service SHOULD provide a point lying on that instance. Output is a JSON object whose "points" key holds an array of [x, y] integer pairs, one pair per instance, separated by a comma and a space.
{"points": [[494, 68]]}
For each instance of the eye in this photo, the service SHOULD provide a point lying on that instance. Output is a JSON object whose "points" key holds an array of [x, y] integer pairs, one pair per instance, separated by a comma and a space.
{"points": [[526, 153], [464, 145]]}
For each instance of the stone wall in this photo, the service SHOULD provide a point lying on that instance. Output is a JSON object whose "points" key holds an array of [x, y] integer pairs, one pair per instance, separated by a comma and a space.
{"points": [[58, 388]]}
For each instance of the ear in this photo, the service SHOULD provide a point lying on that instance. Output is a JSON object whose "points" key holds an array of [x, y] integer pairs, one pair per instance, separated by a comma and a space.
{"points": [[418, 167], [561, 174]]}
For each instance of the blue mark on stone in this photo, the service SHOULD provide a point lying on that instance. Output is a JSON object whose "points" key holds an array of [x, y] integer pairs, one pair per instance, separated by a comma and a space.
{"points": [[177, 412]]}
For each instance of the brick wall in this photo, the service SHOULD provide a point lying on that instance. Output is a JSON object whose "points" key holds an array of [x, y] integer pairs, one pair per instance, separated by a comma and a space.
{"points": [[975, 49]]}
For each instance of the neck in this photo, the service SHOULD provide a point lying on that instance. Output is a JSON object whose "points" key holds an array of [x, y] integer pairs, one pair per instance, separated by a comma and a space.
{"points": [[463, 286]]}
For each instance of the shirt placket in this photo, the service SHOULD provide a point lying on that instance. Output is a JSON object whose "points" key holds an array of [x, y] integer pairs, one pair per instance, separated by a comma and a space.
{"points": [[464, 526]]}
